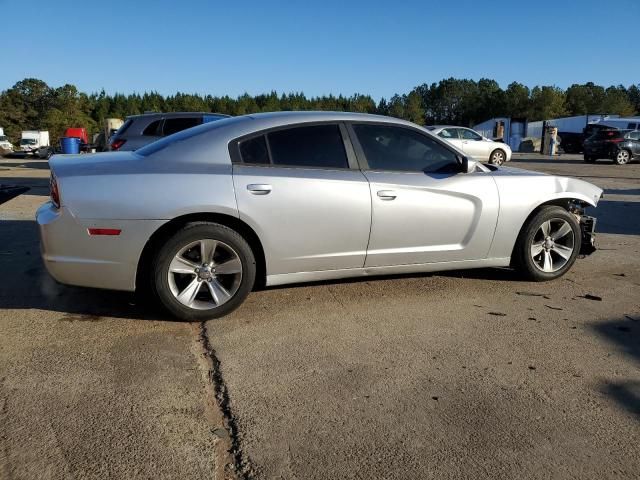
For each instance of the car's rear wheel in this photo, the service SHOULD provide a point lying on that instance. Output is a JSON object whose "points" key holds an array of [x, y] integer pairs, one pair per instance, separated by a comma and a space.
{"points": [[548, 245], [622, 157], [204, 271], [498, 157]]}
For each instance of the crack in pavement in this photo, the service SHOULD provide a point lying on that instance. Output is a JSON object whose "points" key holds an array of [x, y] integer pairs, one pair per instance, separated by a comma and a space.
{"points": [[240, 465]]}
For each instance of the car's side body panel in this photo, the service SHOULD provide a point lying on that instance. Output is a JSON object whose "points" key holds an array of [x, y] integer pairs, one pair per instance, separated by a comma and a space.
{"points": [[310, 219], [74, 257], [522, 191], [434, 217]]}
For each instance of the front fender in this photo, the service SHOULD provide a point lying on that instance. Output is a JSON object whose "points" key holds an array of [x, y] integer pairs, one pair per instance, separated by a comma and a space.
{"points": [[521, 193]]}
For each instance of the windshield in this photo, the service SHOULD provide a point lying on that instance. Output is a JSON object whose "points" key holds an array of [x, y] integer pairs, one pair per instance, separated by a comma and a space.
{"points": [[28, 141]]}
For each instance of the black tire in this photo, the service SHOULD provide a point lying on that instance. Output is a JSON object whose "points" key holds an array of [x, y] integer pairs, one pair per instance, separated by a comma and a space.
{"points": [[498, 157], [622, 157], [194, 232], [523, 259], [589, 159]]}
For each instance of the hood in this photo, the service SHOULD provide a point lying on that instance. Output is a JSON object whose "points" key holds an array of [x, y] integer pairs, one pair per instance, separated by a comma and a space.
{"points": [[516, 171], [525, 182]]}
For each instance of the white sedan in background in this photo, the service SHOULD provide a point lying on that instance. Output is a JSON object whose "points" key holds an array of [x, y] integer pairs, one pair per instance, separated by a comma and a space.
{"points": [[474, 144]]}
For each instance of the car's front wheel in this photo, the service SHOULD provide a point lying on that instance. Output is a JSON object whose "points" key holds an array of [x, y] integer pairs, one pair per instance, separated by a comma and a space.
{"points": [[548, 244], [204, 271], [498, 157]]}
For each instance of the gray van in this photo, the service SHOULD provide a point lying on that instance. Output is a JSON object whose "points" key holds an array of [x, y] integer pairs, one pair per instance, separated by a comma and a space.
{"points": [[139, 130]]}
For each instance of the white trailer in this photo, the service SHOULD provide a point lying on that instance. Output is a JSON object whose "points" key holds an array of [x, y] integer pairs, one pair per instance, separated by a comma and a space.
{"points": [[32, 140]]}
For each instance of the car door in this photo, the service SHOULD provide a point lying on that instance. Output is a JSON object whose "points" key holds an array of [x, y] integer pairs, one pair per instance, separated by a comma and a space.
{"points": [[424, 209], [304, 196], [474, 145]]}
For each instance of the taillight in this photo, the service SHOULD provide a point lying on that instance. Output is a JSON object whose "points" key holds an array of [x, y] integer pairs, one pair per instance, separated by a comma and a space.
{"points": [[615, 140], [54, 193], [116, 144]]}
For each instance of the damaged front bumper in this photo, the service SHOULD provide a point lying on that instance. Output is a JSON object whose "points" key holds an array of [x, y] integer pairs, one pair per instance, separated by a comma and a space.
{"points": [[587, 227]]}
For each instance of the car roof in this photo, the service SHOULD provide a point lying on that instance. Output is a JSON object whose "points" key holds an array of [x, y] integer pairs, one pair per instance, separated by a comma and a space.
{"points": [[173, 115], [235, 127], [440, 127], [312, 116]]}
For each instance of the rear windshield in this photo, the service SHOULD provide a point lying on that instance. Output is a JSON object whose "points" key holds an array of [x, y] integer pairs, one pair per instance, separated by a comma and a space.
{"points": [[124, 126], [604, 134], [163, 143]]}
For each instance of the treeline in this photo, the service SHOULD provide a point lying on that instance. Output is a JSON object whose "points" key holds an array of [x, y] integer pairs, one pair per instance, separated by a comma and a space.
{"points": [[31, 104]]}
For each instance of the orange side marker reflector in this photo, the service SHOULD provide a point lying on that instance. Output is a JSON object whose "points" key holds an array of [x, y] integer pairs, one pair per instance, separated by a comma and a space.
{"points": [[104, 231]]}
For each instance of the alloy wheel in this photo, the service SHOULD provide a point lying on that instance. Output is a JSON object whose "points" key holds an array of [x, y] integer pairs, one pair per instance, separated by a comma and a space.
{"points": [[553, 245], [497, 158], [205, 274], [622, 157]]}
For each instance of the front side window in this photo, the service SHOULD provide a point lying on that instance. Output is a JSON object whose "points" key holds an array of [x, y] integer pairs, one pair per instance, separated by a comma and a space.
{"points": [[174, 125], [469, 135], [395, 148], [313, 146]]}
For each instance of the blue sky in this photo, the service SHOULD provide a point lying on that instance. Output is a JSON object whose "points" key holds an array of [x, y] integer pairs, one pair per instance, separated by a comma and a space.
{"points": [[318, 47]]}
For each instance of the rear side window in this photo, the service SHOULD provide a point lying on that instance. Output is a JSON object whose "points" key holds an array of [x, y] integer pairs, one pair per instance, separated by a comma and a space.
{"points": [[174, 125], [449, 133], [313, 146], [152, 129], [254, 150], [395, 148]]}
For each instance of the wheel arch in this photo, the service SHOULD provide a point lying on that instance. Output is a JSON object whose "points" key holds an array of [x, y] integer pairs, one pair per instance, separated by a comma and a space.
{"points": [[572, 204], [166, 230]]}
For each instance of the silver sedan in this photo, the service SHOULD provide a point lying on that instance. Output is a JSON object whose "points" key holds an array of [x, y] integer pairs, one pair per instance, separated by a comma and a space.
{"points": [[473, 144], [202, 217]]}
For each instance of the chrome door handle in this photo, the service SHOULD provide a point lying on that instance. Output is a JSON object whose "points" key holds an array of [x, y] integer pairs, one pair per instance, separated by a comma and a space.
{"points": [[259, 188], [387, 194]]}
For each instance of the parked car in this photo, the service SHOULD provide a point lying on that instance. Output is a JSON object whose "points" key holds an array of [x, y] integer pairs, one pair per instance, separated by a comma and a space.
{"points": [[204, 215], [140, 130], [621, 146], [474, 144]]}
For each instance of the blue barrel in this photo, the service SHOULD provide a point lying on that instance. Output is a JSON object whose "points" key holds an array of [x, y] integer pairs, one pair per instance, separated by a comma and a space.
{"points": [[70, 145]]}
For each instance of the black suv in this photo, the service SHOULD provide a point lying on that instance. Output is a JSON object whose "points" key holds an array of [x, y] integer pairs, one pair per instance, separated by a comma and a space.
{"points": [[139, 130], [621, 146]]}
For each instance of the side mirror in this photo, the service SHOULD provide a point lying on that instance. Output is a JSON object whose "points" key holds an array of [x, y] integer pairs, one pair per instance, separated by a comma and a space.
{"points": [[469, 164]]}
